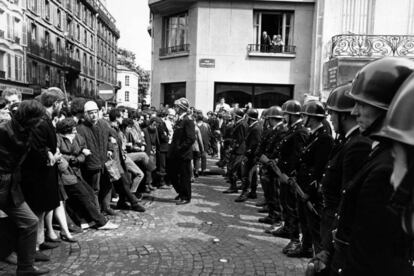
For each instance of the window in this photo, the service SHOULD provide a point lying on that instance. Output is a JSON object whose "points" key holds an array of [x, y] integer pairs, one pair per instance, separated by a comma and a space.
{"points": [[176, 30], [85, 37], [274, 23], [47, 10], [9, 66], [357, 16], [260, 95], [126, 80], [59, 18], [127, 96], [85, 61], [34, 72], [33, 33], [47, 40], [90, 62], [91, 41], [58, 46], [173, 91], [77, 55], [78, 33], [18, 70]]}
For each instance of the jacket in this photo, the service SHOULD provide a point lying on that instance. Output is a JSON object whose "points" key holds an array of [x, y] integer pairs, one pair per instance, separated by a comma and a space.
{"points": [[377, 243], [163, 136], [183, 139], [239, 136], [252, 139], [97, 141]]}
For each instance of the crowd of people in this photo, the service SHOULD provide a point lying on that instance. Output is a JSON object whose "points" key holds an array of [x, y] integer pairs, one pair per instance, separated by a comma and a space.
{"points": [[341, 196]]}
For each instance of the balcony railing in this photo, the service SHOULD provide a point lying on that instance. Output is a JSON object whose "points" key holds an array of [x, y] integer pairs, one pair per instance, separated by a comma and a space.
{"points": [[179, 49], [1, 34], [372, 45], [260, 48], [17, 39], [2, 74], [72, 64]]}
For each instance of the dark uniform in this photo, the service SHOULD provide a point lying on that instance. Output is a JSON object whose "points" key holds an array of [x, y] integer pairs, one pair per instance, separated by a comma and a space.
{"points": [[254, 132], [286, 153], [347, 157], [269, 181], [369, 232], [237, 151], [309, 175]]}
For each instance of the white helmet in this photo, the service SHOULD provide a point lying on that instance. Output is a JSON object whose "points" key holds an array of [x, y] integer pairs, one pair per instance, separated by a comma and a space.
{"points": [[90, 105]]}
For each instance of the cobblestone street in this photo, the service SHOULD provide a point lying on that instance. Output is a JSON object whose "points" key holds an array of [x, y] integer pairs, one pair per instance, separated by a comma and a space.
{"points": [[212, 235]]}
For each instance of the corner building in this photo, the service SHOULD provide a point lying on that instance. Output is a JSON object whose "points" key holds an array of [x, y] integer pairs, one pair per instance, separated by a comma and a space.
{"points": [[71, 44], [205, 50]]}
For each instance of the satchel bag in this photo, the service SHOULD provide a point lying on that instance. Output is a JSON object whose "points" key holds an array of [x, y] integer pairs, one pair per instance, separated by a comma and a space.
{"points": [[113, 170]]}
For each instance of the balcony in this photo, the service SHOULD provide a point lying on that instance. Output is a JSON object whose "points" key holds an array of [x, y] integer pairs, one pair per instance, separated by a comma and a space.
{"points": [[72, 64], [260, 50], [45, 51], [2, 74], [17, 39], [1, 34], [175, 51], [372, 46]]}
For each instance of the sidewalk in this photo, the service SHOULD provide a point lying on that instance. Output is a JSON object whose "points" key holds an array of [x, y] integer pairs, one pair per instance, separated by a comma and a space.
{"points": [[212, 235]]}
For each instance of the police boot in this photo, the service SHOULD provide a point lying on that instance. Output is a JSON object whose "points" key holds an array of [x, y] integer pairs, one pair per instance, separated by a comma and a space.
{"points": [[300, 252], [282, 232], [292, 245], [264, 209], [233, 187], [243, 197]]}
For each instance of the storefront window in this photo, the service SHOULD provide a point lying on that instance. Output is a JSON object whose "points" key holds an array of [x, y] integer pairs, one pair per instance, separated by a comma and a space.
{"points": [[173, 91]]}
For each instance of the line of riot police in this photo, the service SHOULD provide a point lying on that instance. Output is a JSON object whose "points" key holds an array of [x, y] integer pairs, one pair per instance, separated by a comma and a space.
{"points": [[346, 202]]}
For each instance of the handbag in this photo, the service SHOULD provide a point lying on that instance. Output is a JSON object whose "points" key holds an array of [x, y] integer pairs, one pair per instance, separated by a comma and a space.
{"points": [[113, 170]]}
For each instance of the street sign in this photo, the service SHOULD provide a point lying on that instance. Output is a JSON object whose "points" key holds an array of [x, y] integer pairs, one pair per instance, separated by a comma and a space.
{"points": [[106, 92], [331, 74], [207, 63]]}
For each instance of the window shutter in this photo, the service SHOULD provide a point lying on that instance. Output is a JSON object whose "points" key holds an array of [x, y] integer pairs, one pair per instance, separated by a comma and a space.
{"points": [[24, 33]]}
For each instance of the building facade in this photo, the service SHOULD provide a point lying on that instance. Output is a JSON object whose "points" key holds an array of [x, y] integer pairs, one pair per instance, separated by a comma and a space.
{"points": [[205, 50], [352, 33], [70, 44], [127, 94], [12, 47]]}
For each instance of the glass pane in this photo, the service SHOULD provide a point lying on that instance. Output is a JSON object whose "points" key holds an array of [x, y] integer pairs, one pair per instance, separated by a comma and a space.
{"points": [[173, 91], [269, 95], [234, 93]]}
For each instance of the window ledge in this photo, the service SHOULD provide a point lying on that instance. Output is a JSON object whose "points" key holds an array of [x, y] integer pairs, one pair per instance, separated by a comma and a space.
{"points": [[175, 55], [273, 55]]}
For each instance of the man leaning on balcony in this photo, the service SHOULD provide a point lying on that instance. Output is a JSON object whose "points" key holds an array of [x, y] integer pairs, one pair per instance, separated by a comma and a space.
{"points": [[265, 42]]}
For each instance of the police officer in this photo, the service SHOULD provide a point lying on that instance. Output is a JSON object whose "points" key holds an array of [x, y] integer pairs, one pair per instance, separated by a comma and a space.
{"points": [[180, 152], [249, 174], [310, 168], [398, 129], [368, 229], [238, 149], [286, 156], [269, 180], [347, 157]]}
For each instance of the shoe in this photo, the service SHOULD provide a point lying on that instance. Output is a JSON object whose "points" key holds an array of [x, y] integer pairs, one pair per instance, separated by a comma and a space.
{"points": [[108, 226], [281, 232], [11, 259], [40, 257], [231, 191], [139, 196], [242, 198], [164, 187], [268, 220], [292, 245], [264, 209], [137, 207], [147, 190], [47, 245], [261, 203], [300, 252], [177, 197], [109, 212], [32, 270], [273, 228], [252, 195], [152, 188], [67, 239], [183, 201], [122, 206], [73, 228], [48, 239]]}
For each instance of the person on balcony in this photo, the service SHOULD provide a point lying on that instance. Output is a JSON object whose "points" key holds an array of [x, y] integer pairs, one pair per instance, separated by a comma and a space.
{"points": [[265, 42], [277, 44]]}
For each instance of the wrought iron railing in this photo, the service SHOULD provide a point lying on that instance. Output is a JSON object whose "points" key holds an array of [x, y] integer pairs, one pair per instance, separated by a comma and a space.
{"points": [[183, 48], [372, 45], [2, 74], [72, 64], [261, 48]]}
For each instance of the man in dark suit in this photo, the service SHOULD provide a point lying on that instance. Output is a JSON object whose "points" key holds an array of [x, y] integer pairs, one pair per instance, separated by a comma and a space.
{"points": [[347, 157], [180, 152], [265, 42], [370, 231], [249, 174]]}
